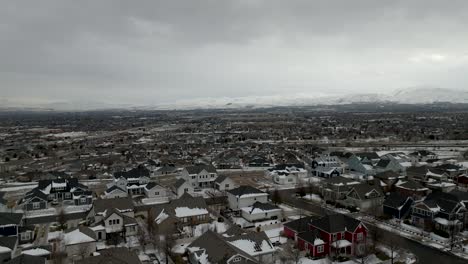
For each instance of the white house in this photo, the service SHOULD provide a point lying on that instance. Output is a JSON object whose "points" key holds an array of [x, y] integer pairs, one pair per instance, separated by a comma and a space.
{"points": [[200, 175], [287, 174], [79, 242], [245, 196], [224, 183], [182, 186], [261, 211], [114, 192]]}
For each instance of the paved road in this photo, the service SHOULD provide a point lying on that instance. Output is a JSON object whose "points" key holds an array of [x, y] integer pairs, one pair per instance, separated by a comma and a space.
{"points": [[425, 254]]}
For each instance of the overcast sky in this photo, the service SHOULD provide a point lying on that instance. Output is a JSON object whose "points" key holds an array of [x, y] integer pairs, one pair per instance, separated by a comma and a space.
{"points": [[150, 52]]}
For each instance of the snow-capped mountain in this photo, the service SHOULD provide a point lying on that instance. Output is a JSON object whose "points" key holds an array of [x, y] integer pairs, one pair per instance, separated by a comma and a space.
{"points": [[403, 96]]}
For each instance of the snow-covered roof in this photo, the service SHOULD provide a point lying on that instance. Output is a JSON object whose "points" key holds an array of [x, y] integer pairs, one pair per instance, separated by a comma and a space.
{"points": [[77, 237], [252, 248], [36, 252], [186, 212]]}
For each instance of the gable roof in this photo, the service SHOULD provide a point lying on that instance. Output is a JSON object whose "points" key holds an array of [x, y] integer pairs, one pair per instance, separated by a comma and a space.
{"points": [[364, 189], [199, 167], [300, 225], [396, 200], [179, 183], [122, 203], [137, 172], [336, 223], [245, 190]]}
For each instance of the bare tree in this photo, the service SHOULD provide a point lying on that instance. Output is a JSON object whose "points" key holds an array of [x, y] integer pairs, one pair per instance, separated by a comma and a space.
{"points": [[58, 255], [167, 243], [62, 220], [293, 253], [83, 250], [276, 197], [141, 236]]}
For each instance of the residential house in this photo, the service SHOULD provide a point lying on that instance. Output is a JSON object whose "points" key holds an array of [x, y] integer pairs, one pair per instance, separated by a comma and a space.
{"points": [[33, 200], [441, 211], [423, 156], [133, 181], [287, 173], [331, 235], [224, 183], [184, 211], [327, 166], [182, 186], [363, 163], [408, 187], [244, 196], [213, 248], [397, 205], [114, 192], [68, 191], [200, 175], [261, 211], [79, 242], [365, 197], [336, 188]]}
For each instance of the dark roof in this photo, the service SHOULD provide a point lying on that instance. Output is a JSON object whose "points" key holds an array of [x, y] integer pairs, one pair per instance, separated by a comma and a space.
{"points": [[199, 167], [119, 255], [446, 201], [422, 153], [368, 155], [27, 259], [264, 206], [363, 189], [338, 180], [122, 203], [243, 190], [411, 185], [336, 223], [220, 178], [395, 200], [386, 175], [383, 163], [9, 242], [310, 236], [151, 185], [179, 183], [137, 172], [113, 188], [2, 199], [10, 218], [300, 225]]}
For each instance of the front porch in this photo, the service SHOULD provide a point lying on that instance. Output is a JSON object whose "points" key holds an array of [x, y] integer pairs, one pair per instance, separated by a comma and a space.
{"points": [[341, 248]]}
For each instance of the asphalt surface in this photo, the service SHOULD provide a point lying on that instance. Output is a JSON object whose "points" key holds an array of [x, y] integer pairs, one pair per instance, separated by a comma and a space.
{"points": [[425, 254]]}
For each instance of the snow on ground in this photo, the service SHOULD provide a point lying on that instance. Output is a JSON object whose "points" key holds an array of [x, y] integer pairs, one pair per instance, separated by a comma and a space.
{"points": [[275, 235], [313, 197], [18, 188], [39, 213], [202, 228], [154, 200], [68, 134], [36, 252], [180, 248], [77, 208]]}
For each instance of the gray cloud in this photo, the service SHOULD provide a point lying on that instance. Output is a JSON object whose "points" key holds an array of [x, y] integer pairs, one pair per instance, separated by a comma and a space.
{"points": [[159, 51]]}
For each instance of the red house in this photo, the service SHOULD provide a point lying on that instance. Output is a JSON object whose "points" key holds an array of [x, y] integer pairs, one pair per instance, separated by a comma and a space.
{"points": [[329, 235]]}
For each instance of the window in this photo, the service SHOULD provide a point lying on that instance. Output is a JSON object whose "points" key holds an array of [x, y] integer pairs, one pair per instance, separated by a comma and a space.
{"points": [[186, 190], [360, 236], [117, 221], [194, 177], [236, 259], [25, 236], [83, 200], [226, 185], [320, 249], [342, 235], [36, 205], [110, 222], [67, 195], [334, 237], [156, 193]]}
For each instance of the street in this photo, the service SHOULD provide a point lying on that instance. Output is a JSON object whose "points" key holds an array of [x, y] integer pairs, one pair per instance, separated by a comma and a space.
{"points": [[425, 254]]}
